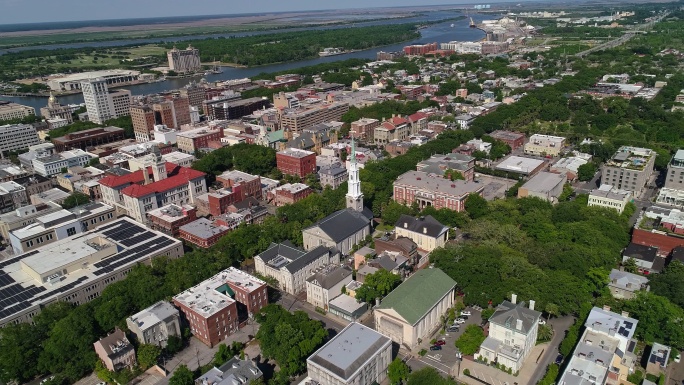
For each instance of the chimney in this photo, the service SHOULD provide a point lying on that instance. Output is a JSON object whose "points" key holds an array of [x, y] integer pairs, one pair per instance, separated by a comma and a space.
{"points": [[606, 307], [514, 299], [531, 304], [406, 225], [424, 230], [146, 175], [518, 324], [625, 314]]}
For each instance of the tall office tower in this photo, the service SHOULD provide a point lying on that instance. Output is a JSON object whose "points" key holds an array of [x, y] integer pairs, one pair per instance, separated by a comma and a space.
{"points": [[182, 61], [103, 105]]}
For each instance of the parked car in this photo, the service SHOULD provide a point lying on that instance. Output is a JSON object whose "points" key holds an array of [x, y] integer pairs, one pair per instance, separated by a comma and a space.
{"points": [[459, 321], [440, 342], [46, 379], [559, 359], [466, 312], [453, 328], [436, 347], [463, 316], [542, 322]]}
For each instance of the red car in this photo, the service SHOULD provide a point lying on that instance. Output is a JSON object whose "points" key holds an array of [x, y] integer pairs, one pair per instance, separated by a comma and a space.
{"points": [[440, 343]]}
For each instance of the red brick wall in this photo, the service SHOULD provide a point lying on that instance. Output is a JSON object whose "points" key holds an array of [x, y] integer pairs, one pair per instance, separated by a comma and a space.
{"points": [[211, 331], [300, 167], [664, 243]]}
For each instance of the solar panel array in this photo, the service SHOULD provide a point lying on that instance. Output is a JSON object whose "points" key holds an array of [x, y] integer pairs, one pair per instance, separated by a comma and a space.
{"points": [[14, 297]]}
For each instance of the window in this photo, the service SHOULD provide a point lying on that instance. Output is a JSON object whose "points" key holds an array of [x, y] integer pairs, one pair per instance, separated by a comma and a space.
{"points": [[71, 231]]}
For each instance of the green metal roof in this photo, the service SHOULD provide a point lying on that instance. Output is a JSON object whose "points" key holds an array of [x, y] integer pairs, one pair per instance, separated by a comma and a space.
{"points": [[418, 294]]}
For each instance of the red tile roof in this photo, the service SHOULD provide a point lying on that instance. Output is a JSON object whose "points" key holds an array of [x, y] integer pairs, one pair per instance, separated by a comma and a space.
{"points": [[417, 116], [397, 120], [176, 176]]}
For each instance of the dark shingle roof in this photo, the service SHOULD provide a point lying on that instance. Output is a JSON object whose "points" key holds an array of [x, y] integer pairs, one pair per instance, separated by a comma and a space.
{"points": [[417, 225], [305, 259], [507, 315], [285, 249], [644, 253], [330, 276], [343, 223]]}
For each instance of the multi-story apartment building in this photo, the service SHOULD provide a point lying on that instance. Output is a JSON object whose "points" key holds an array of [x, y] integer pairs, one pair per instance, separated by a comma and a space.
{"points": [[143, 118], [364, 129], [297, 120], [610, 197], [427, 233], [56, 226], [246, 185], [249, 290], [511, 138], [358, 355], [431, 190], [12, 196], [296, 162], [88, 138], [333, 175], [605, 354], [183, 61], [54, 164], [77, 269], [155, 324], [629, 169], [170, 110], [291, 266], [24, 216], [17, 137], [170, 218], [209, 310], [285, 100], [544, 145], [326, 283], [203, 232], [396, 128], [290, 193], [138, 193], [675, 172], [512, 334], [103, 105], [420, 49], [194, 140], [235, 109], [9, 110], [195, 94]]}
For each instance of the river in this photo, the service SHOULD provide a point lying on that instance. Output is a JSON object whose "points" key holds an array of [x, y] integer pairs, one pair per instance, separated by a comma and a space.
{"points": [[440, 33]]}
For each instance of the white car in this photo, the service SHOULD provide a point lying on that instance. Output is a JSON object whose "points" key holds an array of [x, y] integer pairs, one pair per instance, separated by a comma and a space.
{"points": [[542, 322], [459, 321], [466, 312], [46, 379]]}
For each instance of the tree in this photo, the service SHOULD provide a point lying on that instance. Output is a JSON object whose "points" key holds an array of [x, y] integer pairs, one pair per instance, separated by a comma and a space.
{"points": [[377, 285], [75, 199], [550, 376], [471, 339], [476, 206], [551, 310], [586, 172], [19, 350], [428, 376], [630, 265], [397, 371], [670, 283], [182, 376], [544, 333], [148, 355], [174, 344]]}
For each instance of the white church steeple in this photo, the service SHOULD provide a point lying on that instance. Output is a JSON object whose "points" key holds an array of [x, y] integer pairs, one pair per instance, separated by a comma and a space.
{"points": [[354, 195]]}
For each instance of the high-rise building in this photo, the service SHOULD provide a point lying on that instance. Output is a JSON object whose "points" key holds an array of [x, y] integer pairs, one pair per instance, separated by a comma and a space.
{"points": [[103, 105], [17, 137], [354, 194], [195, 94], [171, 111], [182, 61], [143, 122]]}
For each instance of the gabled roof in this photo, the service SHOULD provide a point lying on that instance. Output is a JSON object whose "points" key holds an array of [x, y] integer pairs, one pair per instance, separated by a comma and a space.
{"points": [[640, 252], [425, 225], [343, 223], [418, 294], [417, 116], [297, 257], [507, 315]]}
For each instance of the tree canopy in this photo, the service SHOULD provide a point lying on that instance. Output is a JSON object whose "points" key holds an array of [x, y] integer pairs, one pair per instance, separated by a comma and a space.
{"points": [[377, 285]]}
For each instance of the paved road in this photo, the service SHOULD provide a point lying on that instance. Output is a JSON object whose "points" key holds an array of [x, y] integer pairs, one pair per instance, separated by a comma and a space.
{"points": [[622, 39], [560, 325], [293, 303]]}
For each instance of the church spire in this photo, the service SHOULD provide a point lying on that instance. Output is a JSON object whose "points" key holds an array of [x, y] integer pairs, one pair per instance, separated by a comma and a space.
{"points": [[354, 194]]}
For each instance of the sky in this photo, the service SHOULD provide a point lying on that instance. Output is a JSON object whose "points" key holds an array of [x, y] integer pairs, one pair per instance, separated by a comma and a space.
{"points": [[37, 11]]}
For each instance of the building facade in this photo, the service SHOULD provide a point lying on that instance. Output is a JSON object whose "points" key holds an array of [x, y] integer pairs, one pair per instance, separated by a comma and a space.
{"points": [[426, 231], [103, 105], [115, 351], [10, 111], [432, 190], [17, 137], [184, 61], [544, 185], [630, 169], [413, 311], [609, 197], [358, 355], [296, 162], [155, 324], [544, 145], [290, 193], [326, 283], [88, 138]]}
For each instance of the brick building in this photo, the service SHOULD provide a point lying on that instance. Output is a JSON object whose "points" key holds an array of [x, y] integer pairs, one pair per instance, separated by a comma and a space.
{"points": [[420, 49], [170, 218], [363, 129], [513, 139], [202, 232], [172, 111], [250, 291], [290, 193], [250, 185], [296, 162], [430, 190], [235, 109], [193, 140], [88, 138], [299, 119]]}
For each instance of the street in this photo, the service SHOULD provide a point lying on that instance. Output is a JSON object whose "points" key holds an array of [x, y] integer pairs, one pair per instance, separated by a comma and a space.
{"points": [[292, 303]]}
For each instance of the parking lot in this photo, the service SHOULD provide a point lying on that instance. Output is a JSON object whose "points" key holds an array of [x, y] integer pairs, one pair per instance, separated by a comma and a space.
{"points": [[494, 187], [444, 360]]}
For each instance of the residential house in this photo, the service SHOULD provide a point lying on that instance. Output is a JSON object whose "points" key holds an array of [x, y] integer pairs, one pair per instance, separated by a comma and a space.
{"points": [[115, 351], [234, 371], [624, 285], [425, 231], [155, 324], [326, 283]]}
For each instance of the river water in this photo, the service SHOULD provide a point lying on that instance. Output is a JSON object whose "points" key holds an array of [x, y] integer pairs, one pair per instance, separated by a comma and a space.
{"points": [[442, 32]]}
